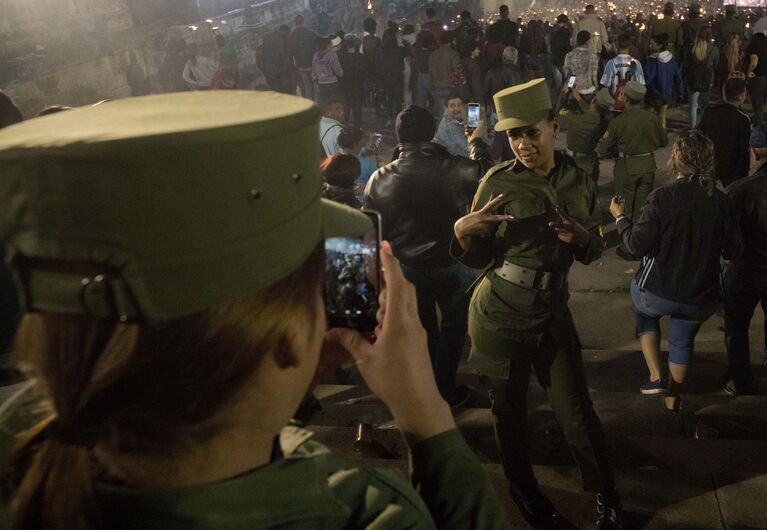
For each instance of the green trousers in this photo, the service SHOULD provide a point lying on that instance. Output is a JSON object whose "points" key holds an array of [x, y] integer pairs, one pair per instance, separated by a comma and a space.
{"points": [[558, 364], [634, 188]]}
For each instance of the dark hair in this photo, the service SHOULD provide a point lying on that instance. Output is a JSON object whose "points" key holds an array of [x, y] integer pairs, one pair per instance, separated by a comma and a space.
{"points": [[503, 9], [299, 20], [408, 29], [321, 43], [454, 95], [348, 137], [661, 39], [465, 15], [137, 389], [583, 37], [624, 41], [589, 7], [734, 88], [692, 155], [757, 46], [341, 170], [330, 100], [430, 13], [53, 109], [668, 8], [369, 25], [9, 112]]}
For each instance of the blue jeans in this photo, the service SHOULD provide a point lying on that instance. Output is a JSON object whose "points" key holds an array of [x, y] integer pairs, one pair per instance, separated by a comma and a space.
{"points": [[445, 288], [741, 296], [686, 320]]}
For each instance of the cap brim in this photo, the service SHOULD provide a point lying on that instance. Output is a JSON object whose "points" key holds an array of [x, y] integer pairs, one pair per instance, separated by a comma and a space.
{"points": [[339, 220], [522, 121]]}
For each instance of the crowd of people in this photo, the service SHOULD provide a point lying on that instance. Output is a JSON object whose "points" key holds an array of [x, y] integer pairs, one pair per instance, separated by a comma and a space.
{"points": [[174, 323]]}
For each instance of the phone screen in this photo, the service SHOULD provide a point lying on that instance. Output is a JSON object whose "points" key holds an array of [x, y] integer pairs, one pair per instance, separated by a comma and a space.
{"points": [[353, 278], [379, 138], [473, 116], [571, 82]]}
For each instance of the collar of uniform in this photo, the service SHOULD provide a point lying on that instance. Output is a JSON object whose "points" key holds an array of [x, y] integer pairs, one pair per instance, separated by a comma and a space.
{"points": [[287, 490]]}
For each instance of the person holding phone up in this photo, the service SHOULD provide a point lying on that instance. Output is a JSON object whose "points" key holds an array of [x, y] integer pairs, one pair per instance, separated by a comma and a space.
{"points": [[531, 218], [172, 263]]}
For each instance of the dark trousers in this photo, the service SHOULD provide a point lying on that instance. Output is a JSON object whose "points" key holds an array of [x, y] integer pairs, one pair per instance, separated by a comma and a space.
{"points": [[353, 104], [444, 288], [558, 364], [635, 190], [741, 296]]}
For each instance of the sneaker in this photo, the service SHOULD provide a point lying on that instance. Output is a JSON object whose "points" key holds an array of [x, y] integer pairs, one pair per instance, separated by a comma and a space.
{"points": [[734, 389], [653, 387], [537, 509], [609, 514]]}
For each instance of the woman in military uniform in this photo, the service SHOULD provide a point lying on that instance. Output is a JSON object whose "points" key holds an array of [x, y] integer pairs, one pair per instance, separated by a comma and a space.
{"points": [[531, 218], [171, 263]]}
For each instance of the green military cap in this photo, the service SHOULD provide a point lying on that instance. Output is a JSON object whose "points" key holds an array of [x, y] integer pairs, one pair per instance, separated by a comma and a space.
{"points": [[603, 98], [522, 105], [190, 199], [635, 90]]}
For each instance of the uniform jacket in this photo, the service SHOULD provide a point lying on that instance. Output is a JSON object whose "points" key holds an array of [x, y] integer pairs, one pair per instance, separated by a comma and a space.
{"points": [[730, 130], [594, 26], [682, 232], [305, 486], [749, 201], [519, 313], [420, 195], [673, 29], [634, 132], [584, 129]]}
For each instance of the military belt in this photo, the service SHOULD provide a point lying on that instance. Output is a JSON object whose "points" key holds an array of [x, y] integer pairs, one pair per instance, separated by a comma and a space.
{"points": [[541, 280], [624, 155], [578, 154]]}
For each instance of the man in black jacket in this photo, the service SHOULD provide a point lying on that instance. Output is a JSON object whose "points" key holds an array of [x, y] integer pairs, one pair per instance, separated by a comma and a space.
{"points": [[729, 128], [420, 195], [745, 282]]}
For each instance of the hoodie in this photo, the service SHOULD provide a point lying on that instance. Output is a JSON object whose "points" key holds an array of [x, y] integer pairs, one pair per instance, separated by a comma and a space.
{"points": [[661, 77], [326, 68]]}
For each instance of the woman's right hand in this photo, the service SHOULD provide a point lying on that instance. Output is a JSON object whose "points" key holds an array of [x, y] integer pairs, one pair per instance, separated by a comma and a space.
{"points": [[479, 223], [397, 367]]}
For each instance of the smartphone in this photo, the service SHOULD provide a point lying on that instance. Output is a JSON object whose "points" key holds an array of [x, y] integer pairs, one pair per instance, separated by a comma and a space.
{"points": [[618, 198], [377, 141], [571, 82], [473, 121], [353, 278]]}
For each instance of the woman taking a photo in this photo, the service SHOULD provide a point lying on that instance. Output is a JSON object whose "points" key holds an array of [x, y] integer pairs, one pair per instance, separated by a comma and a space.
{"points": [[682, 232], [173, 265]]}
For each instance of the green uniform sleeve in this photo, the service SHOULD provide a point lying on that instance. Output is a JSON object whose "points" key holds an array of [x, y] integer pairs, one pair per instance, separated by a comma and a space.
{"points": [[594, 249], [608, 145], [480, 250], [454, 486]]}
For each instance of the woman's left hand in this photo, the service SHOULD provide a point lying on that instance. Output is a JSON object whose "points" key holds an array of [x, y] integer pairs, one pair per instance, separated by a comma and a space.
{"points": [[569, 230]]}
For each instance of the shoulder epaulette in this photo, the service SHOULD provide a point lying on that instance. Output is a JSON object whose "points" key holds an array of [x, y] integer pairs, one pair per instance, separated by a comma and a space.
{"points": [[503, 166]]}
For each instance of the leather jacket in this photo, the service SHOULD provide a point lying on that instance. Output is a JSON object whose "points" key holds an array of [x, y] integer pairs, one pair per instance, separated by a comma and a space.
{"points": [[421, 194]]}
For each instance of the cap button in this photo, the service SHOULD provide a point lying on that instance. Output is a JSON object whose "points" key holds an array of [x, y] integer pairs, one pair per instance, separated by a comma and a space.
{"points": [[297, 177], [255, 194]]}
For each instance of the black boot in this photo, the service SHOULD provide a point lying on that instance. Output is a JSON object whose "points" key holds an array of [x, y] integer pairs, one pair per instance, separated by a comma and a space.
{"points": [[609, 513], [536, 509]]}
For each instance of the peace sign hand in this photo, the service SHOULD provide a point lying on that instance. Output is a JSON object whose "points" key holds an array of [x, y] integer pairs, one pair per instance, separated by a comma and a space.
{"points": [[569, 230], [479, 223]]}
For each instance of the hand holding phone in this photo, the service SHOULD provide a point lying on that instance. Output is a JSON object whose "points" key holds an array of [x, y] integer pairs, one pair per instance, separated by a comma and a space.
{"points": [[571, 82], [473, 118], [617, 206], [353, 278]]}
